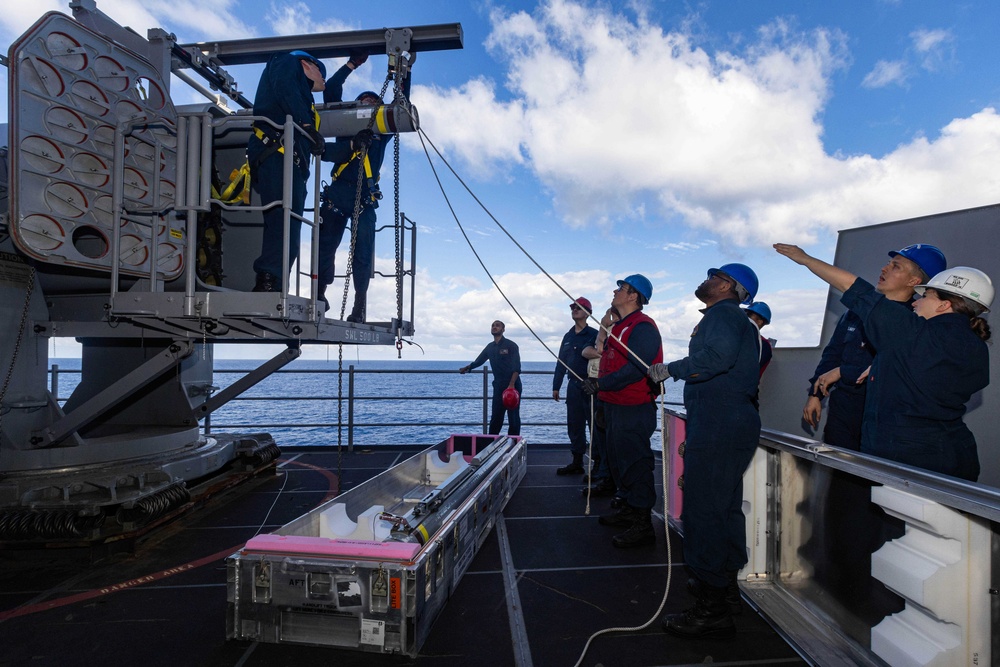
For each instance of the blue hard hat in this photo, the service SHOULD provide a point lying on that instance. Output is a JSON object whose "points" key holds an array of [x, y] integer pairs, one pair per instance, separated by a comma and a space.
{"points": [[314, 60], [761, 309], [746, 280], [369, 93], [929, 258], [640, 284]]}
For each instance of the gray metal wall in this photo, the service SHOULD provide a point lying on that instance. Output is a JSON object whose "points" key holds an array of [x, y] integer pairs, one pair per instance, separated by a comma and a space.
{"points": [[968, 238]]}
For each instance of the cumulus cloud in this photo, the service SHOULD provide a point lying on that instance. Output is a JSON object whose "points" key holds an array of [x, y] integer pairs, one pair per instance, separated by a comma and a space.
{"points": [[619, 118], [886, 73], [933, 47]]}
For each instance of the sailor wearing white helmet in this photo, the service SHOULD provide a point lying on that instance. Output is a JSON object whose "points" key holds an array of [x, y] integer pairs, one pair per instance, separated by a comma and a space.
{"points": [[929, 364]]}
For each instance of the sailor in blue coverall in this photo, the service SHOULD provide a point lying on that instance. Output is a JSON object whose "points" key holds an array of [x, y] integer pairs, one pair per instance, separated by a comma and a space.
{"points": [[505, 362], [929, 364], [721, 374], [849, 350], [925, 372], [338, 200], [574, 342], [285, 88]]}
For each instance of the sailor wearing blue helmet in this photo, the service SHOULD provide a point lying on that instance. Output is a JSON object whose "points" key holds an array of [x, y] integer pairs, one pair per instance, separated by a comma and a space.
{"points": [[721, 374], [285, 89], [629, 401]]}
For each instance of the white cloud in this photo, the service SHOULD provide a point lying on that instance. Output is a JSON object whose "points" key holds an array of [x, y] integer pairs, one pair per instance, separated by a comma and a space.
{"points": [[621, 120], [934, 47], [886, 73]]}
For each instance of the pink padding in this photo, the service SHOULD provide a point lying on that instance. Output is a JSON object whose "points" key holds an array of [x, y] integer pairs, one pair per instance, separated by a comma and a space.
{"points": [[322, 546]]}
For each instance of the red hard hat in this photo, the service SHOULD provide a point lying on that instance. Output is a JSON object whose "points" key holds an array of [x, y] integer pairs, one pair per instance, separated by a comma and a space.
{"points": [[511, 399]]}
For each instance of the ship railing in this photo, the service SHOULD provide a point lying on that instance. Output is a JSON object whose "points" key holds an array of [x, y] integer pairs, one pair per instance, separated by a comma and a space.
{"points": [[538, 408], [858, 560]]}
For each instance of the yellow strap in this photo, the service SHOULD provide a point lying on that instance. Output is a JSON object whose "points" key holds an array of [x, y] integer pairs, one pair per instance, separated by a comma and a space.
{"points": [[262, 136], [281, 149], [368, 166], [230, 195]]}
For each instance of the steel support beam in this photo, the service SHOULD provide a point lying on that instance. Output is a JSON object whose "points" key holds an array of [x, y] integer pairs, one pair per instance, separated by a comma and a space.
{"points": [[255, 376], [113, 395], [440, 37]]}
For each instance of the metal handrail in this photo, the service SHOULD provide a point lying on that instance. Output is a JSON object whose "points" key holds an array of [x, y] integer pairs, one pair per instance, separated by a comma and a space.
{"points": [[484, 397]]}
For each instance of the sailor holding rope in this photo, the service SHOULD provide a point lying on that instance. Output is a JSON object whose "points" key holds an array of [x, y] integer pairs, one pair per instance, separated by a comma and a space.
{"points": [[721, 374]]}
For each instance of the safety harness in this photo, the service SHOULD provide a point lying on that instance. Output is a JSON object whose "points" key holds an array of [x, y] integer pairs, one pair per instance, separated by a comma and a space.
{"points": [[238, 189], [373, 190]]}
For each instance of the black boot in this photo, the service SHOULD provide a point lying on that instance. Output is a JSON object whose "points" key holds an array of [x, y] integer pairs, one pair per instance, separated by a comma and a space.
{"points": [[358, 312], [624, 517], [321, 301], [574, 468], [710, 617], [639, 534], [733, 597], [267, 282], [602, 488]]}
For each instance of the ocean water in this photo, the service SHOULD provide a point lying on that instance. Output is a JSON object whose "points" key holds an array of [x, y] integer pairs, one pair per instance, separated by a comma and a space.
{"points": [[394, 402]]}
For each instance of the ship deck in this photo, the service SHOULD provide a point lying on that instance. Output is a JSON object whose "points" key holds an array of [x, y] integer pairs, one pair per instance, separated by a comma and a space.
{"points": [[164, 602]]}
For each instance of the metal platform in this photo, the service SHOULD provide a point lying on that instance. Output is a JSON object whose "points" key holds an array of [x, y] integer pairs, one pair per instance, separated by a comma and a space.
{"points": [[219, 317], [544, 581]]}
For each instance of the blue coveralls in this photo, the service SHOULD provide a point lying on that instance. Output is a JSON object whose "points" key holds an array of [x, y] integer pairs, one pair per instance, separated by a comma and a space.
{"points": [[922, 377], [505, 360], [284, 89], [720, 374], [577, 402], [850, 350], [337, 205], [628, 428]]}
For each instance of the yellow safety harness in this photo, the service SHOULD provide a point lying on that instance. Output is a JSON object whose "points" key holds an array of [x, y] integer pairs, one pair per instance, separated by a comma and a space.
{"points": [[239, 180]]}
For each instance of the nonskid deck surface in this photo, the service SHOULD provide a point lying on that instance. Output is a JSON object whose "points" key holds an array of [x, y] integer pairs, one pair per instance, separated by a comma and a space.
{"points": [[166, 604]]}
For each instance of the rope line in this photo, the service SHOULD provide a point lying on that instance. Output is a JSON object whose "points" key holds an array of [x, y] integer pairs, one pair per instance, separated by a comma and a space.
{"points": [[663, 433]]}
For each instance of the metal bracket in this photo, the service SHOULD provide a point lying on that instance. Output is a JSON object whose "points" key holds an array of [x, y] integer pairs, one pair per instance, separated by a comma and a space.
{"points": [[255, 376], [113, 395]]}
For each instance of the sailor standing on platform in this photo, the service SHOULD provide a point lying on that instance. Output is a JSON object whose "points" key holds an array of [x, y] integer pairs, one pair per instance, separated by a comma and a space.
{"points": [[341, 195], [285, 88], [505, 361]]}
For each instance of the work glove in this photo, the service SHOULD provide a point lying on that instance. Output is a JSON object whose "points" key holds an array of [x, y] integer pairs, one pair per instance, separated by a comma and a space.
{"points": [[362, 139], [358, 58], [319, 141], [590, 387], [658, 373]]}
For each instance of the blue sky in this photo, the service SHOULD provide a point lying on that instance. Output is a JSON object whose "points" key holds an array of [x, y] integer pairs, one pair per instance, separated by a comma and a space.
{"points": [[656, 137]]}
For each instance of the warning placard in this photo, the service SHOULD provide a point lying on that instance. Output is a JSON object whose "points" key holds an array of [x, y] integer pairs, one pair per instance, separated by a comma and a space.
{"points": [[14, 271]]}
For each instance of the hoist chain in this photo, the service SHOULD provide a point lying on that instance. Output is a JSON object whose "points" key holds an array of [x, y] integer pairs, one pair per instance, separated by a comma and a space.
{"points": [[398, 224], [362, 156], [20, 337]]}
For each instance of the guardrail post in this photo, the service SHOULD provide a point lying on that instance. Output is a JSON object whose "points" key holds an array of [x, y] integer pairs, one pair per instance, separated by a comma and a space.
{"points": [[350, 408], [55, 382], [486, 398]]}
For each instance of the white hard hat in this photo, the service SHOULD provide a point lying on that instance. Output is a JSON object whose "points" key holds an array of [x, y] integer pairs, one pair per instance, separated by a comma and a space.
{"points": [[963, 281]]}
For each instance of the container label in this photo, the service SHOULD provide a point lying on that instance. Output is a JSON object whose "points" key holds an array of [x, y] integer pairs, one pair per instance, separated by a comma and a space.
{"points": [[395, 592], [373, 632]]}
